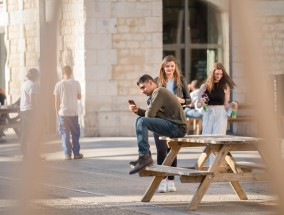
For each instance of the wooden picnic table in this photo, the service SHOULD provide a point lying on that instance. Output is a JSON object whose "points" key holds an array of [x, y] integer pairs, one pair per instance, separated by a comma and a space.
{"points": [[224, 167], [8, 121]]}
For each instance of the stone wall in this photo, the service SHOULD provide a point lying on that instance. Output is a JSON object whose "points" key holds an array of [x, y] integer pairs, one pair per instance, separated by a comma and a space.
{"points": [[22, 42], [123, 41], [109, 44]]}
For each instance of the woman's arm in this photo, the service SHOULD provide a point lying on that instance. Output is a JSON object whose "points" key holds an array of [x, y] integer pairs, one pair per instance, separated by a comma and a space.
{"points": [[227, 97], [201, 92]]}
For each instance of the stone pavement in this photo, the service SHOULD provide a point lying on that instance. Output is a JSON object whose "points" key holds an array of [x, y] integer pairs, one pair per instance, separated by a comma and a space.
{"points": [[100, 183]]}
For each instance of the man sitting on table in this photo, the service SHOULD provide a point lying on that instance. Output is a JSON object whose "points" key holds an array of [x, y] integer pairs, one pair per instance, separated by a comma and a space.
{"points": [[164, 116]]}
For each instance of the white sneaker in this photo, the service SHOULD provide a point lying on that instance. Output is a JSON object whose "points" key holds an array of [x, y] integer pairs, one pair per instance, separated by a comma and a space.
{"points": [[171, 186], [163, 186]]}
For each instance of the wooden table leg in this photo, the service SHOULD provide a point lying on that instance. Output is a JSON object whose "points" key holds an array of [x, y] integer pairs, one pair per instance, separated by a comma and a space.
{"points": [[203, 158], [236, 185], [152, 188], [204, 185], [157, 179]]}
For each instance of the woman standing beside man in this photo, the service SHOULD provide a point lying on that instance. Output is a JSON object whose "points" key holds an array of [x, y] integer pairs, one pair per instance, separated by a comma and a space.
{"points": [[170, 78]]}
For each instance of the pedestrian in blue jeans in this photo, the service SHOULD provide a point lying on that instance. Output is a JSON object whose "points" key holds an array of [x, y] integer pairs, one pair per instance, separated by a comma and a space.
{"points": [[164, 117], [67, 93]]}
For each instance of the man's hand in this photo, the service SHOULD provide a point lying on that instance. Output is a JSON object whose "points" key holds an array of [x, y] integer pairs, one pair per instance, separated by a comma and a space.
{"points": [[133, 108]]}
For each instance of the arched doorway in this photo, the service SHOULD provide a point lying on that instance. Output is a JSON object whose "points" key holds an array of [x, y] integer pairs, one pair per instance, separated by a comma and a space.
{"points": [[192, 31]]}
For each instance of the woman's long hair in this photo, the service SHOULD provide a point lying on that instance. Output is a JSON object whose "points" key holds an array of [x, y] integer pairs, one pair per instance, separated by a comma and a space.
{"points": [[162, 79], [225, 81]]}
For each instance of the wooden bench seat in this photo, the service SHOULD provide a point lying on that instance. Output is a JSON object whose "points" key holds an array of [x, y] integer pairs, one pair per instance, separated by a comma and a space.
{"points": [[10, 125], [251, 165], [161, 170]]}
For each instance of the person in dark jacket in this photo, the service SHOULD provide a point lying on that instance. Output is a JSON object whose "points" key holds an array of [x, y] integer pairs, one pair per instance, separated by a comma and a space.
{"points": [[170, 77]]}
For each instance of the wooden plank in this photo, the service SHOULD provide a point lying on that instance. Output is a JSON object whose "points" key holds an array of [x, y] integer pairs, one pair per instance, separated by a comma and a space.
{"points": [[203, 158], [157, 179], [208, 179], [10, 125], [228, 177], [212, 139], [176, 170], [236, 177], [251, 165], [152, 188], [235, 184]]}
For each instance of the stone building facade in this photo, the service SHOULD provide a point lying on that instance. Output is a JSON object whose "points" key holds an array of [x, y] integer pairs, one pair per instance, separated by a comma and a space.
{"points": [[109, 44]]}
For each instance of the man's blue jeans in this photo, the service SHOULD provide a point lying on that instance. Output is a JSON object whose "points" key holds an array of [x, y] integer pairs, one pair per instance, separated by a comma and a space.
{"points": [[158, 126], [69, 125]]}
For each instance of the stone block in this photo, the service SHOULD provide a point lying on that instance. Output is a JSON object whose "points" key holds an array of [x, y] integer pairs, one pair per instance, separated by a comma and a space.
{"points": [[107, 88], [106, 26], [131, 9], [98, 9], [154, 24], [116, 123], [91, 26], [98, 72], [99, 103], [99, 41], [153, 55], [106, 56]]}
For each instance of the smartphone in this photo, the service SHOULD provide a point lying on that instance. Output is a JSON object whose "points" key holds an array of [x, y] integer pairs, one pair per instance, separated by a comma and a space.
{"points": [[131, 102]]}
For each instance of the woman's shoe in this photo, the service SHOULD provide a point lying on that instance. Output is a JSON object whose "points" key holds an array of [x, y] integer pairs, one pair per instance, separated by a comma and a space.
{"points": [[163, 186], [171, 186]]}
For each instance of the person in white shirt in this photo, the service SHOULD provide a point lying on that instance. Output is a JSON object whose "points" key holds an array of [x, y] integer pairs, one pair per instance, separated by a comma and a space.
{"points": [[67, 92], [28, 103]]}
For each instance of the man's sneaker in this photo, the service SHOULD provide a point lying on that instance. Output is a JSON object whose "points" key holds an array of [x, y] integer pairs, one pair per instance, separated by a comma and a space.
{"points": [[143, 161], [79, 156], [171, 186], [67, 157], [162, 187]]}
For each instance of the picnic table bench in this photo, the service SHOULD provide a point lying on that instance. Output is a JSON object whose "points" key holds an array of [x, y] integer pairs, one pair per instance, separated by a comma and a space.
{"points": [[8, 121], [225, 168]]}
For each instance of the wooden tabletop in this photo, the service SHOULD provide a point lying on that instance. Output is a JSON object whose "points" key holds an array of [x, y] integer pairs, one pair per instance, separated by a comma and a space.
{"points": [[213, 139]]}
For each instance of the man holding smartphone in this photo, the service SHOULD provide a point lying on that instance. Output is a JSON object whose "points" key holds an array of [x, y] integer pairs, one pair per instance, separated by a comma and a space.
{"points": [[164, 117]]}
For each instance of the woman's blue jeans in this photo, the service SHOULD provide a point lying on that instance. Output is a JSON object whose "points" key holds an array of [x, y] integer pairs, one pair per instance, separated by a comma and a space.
{"points": [[158, 126], [69, 125]]}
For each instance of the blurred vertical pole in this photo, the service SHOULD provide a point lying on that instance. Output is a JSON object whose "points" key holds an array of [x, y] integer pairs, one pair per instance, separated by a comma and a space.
{"points": [[49, 10], [30, 185], [257, 68]]}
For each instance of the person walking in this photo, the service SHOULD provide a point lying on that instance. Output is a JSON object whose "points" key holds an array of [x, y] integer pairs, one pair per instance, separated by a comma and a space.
{"points": [[28, 109], [67, 92], [170, 77], [217, 89], [164, 117]]}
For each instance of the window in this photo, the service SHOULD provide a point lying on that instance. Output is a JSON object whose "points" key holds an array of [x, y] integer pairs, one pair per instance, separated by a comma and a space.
{"points": [[192, 33]]}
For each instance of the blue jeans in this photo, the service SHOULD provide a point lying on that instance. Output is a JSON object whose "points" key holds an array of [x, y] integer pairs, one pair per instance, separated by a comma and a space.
{"points": [[192, 113], [69, 125], [158, 126]]}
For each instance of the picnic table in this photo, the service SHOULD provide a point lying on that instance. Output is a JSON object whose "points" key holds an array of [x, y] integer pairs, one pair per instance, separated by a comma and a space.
{"points": [[223, 169], [10, 119]]}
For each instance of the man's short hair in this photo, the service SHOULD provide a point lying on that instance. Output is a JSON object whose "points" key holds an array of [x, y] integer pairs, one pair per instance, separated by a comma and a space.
{"points": [[144, 78], [67, 70], [32, 74]]}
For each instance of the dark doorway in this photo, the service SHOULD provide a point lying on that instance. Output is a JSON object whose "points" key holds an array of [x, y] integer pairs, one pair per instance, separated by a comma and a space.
{"points": [[192, 32]]}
